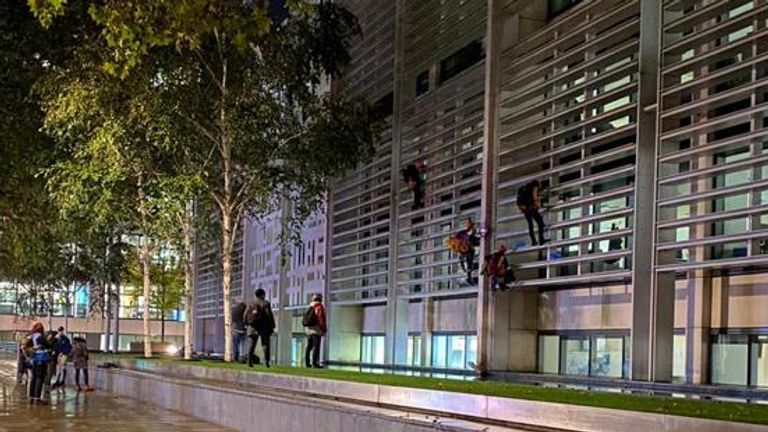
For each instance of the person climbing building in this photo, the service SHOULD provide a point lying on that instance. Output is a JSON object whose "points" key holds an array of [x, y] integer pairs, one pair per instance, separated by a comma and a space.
{"points": [[614, 244], [464, 244], [497, 270], [413, 175], [529, 203]]}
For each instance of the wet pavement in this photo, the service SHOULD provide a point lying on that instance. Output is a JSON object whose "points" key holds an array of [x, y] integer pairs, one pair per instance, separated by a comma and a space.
{"points": [[86, 412]]}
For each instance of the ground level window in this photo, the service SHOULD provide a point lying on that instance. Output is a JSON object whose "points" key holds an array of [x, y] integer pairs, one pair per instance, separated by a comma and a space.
{"points": [[584, 354], [372, 349], [414, 350], [298, 342], [454, 351]]}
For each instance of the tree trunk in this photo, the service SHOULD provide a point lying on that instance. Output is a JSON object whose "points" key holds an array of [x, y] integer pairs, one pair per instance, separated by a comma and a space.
{"points": [[226, 282], [187, 258], [117, 316], [50, 308], [162, 328], [227, 207], [108, 315], [145, 258]]}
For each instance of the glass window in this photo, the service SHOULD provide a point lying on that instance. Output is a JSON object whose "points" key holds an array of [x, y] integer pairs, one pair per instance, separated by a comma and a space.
{"points": [[678, 357], [297, 349], [454, 351], [549, 354], [607, 356], [729, 359], [413, 357], [575, 356], [372, 349], [439, 351], [759, 363]]}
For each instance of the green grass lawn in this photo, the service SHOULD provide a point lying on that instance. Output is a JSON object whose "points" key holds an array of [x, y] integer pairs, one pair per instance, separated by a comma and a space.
{"points": [[728, 411]]}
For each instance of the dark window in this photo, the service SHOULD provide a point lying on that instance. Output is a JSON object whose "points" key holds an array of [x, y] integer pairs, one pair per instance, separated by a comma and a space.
{"points": [[556, 7], [384, 107], [422, 83], [460, 60]]}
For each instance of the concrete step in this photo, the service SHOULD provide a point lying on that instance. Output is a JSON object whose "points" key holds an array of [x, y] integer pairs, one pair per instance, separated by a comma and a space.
{"points": [[479, 409], [243, 407]]}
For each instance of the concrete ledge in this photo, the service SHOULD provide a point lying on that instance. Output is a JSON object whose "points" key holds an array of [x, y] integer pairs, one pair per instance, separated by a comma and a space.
{"points": [[481, 408], [240, 410]]}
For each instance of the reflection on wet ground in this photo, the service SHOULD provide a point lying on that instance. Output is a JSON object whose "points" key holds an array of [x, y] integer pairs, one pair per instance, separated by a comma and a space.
{"points": [[86, 412]]}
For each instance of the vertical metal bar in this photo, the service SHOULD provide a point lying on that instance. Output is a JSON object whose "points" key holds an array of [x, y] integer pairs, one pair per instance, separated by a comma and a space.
{"points": [[494, 35], [646, 296], [396, 327]]}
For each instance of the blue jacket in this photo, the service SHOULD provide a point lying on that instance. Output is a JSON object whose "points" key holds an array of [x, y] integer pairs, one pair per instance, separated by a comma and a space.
{"points": [[39, 352]]}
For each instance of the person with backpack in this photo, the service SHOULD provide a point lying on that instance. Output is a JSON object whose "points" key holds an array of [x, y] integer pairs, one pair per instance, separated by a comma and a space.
{"points": [[80, 362], [238, 329], [316, 327], [497, 269], [529, 203], [62, 351], [38, 356], [464, 244], [261, 325]]}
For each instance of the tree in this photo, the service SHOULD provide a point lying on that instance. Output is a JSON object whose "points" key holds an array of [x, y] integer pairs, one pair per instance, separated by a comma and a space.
{"points": [[244, 92], [168, 284]]}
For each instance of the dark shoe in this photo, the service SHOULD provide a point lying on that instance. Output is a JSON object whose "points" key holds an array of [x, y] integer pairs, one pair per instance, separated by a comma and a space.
{"points": [[79, 389], [266, 364], [317, 366]]}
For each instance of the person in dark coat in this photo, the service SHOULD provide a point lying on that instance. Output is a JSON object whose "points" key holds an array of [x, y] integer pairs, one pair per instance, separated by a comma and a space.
{"points": [[261, 324], [413, 175], [529, 203], [238, 329]]}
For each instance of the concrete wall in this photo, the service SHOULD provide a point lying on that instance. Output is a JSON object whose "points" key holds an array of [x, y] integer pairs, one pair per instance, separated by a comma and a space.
{"points": [[455, 315], [346, 323], [89, 325], [740, 301]]}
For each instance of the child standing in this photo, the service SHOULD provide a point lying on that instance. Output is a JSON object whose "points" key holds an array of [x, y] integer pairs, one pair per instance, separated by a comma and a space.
{"points": [[80, 361]]}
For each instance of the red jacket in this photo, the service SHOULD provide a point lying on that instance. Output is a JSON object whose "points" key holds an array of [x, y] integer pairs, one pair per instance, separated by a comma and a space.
{"points": [[322, 323]]}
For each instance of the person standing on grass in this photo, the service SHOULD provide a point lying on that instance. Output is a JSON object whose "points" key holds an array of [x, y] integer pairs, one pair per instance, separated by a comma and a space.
{"points": [[80, 361], [238, 329], [38, 356], [316, 327], [261, 325], [63, 349]]}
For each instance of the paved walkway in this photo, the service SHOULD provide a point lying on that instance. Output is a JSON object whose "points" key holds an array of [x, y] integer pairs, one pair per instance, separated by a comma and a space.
{"points": [[86, 412]]}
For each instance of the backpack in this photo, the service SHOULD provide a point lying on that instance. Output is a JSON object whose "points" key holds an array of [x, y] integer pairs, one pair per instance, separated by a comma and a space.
{"points": [[310, 317], [253, 314], [524, 196]]}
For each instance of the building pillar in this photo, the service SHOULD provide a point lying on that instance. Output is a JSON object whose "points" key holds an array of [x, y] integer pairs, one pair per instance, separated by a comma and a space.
{"points": [[284, 315], [396, 340], [519, 352], [487, 331], [427, 327], [652, 297], [697, 327]]}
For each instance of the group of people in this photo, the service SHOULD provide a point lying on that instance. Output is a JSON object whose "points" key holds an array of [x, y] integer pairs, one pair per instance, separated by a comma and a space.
{"points": [[256, 322], [496, 266], [44, 356]]}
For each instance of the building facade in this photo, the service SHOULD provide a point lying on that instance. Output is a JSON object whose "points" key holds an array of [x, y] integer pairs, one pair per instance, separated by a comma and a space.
{"points": [[646, 121]]}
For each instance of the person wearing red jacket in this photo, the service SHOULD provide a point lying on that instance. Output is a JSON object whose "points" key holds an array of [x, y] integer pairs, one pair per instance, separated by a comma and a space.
{"points": [[316, 326]]}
